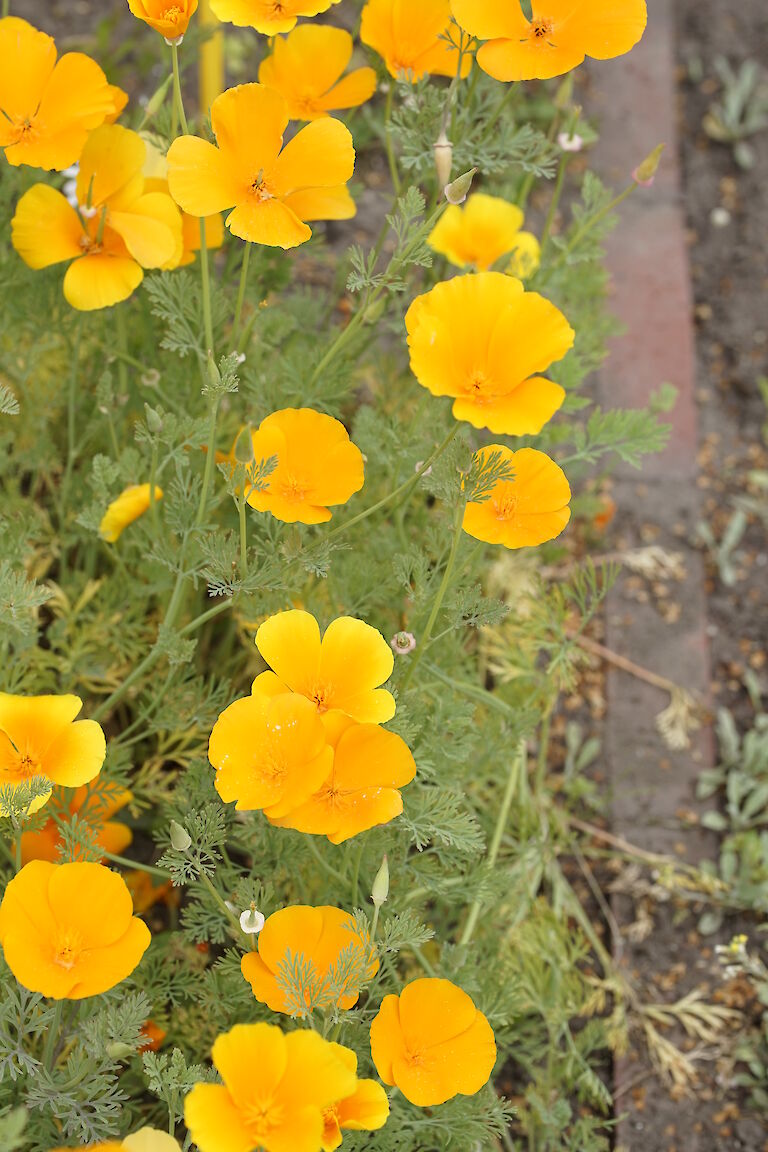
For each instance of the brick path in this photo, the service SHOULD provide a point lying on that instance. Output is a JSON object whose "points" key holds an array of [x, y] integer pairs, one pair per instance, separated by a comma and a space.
{"points": [[634, 101]]}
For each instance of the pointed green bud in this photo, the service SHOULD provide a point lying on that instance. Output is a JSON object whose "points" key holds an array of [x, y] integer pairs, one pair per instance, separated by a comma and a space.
{"points": [[380, 890], [645, 173], [244, 446], [158, 99], [180, 838], [457, 192], [154, 420]]}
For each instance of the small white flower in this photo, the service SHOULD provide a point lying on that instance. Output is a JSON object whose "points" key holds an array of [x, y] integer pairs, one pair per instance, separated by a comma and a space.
{"points": [[403, 642], [251, 920], [570, 143]]}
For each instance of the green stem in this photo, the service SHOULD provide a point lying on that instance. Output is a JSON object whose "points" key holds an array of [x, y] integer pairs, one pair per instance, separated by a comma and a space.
{"points": [[210, 460], [6, 8], [223, 606], [233, 920], [329, 868], [53, 1035], [517, 767], [152, 475], [356, 876], [347, 333], [438, 603], [241, 506], [177, 97], [482, 695], [136, 865], [18, 852], [399, 493], [587, 227], [122, 348], [395, 175], [554, 201], [72, 403], [493, 118], [205, 276], [240, 297]]}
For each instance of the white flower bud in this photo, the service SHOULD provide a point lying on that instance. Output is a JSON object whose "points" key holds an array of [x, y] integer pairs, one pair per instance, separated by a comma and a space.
{"points": [[251, 920], [443, 152]]}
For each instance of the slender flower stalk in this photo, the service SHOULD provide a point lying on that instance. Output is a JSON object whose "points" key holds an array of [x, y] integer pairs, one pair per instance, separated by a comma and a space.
{"points": [[438, 602], [517, 768]]}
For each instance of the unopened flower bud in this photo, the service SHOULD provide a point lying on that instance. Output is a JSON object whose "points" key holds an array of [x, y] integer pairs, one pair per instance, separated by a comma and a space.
{"points": [[154, 419], [118, 1051], [457, 192], [380, 890], [180, 838], [244, 446], [251, 920], [443, 151], [158, 99], [645, 173], [213, 372], [403, 642]]}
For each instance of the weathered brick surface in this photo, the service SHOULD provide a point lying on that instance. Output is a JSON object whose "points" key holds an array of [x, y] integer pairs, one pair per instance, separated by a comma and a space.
{"points": [[634, 99]]}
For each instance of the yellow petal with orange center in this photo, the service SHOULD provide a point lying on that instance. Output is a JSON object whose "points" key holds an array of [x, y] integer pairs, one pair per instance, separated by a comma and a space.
{"points": [[201, 178], [101, 280], [214, 1121], [46, 229]]}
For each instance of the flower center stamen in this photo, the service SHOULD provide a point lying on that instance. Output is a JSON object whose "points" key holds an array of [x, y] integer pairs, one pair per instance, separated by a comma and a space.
{"points": [[68, 949], [505, 506], [173, 14], [540, 33]]}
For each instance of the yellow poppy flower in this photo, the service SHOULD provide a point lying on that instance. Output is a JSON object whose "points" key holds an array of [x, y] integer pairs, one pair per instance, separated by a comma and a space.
{"points": [[168, 17], [47, 106], [524, 256], [412, 39], [276, 1090], [319, 936], [343, 671], [526, 511], [156, 180], [366, 1110], [145, 1140], [110, 834], [307, 69], [480, 233], [318, 467], [432, 1043], [370, 765], [132, 503], [117, 231], [39, 736], [557, 38], [68, 930], [268, 16], [272, 191], [269, 753], [483, 340]]}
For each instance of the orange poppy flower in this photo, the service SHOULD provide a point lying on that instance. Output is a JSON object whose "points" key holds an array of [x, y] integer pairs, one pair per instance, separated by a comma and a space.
{"points": [[155, 1036], [276, 1089], [342, 671], [272, 191], [68, 930], [432, 1043], [528, 510], [412, 39], [370, 765], [111, 835], [117, 232], [145, 894], [560, 35], [39, 736], [483, 340], [269, 753], [132, 503], [268, 16], [366, 1110], [47, 106], [318, 466], [307, 69], [145, 1140], [320, 936], [483, 230], [170, 19]]}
